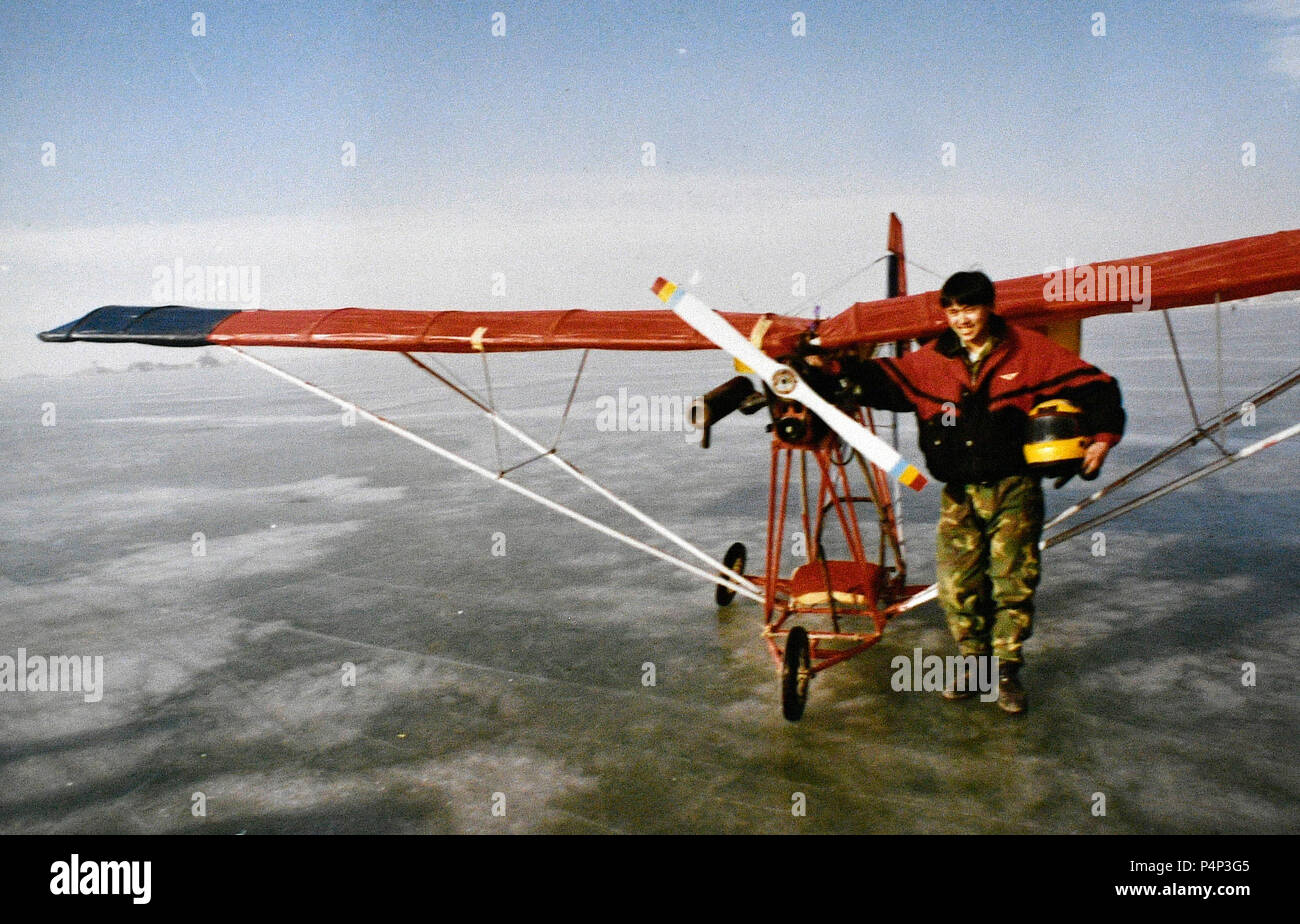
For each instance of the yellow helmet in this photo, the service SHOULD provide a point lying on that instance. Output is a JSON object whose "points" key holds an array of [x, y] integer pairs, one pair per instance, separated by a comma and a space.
{"points": [[1055, 442]]}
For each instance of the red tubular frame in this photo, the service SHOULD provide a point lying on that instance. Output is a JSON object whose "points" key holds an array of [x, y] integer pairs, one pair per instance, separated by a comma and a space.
{"points": [[834, 645]]}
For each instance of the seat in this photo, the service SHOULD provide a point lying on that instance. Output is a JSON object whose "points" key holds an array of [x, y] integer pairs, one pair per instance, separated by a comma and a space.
{"points": [[851, 583]]}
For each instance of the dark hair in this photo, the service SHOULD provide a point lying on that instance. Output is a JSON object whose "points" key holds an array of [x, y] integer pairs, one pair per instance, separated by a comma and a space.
{"points": [[967, 289]]}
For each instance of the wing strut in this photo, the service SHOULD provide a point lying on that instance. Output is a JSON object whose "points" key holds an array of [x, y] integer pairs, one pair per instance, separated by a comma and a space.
{"points": [[569, 468], [1187, 390], [477, 469], [1144, 499], [1282, 385]]}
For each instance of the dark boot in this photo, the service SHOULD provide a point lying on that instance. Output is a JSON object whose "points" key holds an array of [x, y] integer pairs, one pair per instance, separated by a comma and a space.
{"points": [[1011, 695], [966, 677]]}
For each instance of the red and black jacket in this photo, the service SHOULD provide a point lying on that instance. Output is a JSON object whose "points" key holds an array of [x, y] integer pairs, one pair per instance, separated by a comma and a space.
{"points": [[974, 431]]}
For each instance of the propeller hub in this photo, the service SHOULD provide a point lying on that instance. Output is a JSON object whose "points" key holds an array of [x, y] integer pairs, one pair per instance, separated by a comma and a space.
{"points": [[784, 380]]}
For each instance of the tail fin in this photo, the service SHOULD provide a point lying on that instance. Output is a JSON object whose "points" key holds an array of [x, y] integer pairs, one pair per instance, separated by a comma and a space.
{"points": [[897, 268]]}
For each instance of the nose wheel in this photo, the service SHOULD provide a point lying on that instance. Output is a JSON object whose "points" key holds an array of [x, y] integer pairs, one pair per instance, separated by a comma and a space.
{"points": [[796, 674]]}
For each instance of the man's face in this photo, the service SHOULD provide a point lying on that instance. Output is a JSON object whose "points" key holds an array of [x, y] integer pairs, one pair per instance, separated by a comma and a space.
{"points": [[969, 322]]}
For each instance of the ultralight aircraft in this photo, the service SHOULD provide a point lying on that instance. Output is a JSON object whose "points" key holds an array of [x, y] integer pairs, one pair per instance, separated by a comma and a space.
{"points": [[823, 611]]}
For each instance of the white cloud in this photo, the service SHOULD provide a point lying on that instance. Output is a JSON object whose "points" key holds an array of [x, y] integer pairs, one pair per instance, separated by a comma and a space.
{"points": [[1278, 10], [1284, 56], [1281, 49]]}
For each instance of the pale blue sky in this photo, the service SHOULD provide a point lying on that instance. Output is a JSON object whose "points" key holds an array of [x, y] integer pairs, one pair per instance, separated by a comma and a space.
{"points": [[153, 123], [1067, 144]]}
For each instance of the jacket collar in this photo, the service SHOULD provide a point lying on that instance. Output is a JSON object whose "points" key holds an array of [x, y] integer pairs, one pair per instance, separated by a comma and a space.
{"points": [[949, 344]]}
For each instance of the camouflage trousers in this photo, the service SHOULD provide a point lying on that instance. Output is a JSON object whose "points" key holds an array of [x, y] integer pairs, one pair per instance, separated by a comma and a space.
{"points": [[988, 564]]}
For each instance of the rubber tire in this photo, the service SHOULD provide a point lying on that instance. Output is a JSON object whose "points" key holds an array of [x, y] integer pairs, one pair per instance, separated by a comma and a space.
{"points": [[735, 561], [796, 658]]}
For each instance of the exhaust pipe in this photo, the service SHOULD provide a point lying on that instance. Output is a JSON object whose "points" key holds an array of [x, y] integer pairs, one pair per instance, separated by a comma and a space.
{"points": [[737, 394]]}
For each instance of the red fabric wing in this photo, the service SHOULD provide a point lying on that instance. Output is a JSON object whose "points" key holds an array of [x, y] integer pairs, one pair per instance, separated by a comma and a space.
{"points": [[489, 331], [1193, 276], [1233, 269]]}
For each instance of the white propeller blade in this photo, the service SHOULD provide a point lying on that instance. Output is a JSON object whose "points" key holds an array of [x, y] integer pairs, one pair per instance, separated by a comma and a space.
{"points": [[786, 382]]}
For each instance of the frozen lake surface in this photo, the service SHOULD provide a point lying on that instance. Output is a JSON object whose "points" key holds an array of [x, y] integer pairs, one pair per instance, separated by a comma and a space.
{"points": [[515, 680]]}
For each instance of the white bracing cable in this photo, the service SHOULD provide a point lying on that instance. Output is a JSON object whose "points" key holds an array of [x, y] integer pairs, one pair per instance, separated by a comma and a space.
{"points": [[565, 466], [491, 476], [1144, 499]]}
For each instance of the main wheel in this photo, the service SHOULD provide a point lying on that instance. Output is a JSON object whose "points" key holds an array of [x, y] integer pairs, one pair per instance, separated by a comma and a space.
{"points": [[735, 561], [796, 674]]}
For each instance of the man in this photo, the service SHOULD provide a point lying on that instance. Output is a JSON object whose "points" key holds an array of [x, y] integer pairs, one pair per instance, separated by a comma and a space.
{"points": [[972, 389]]}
